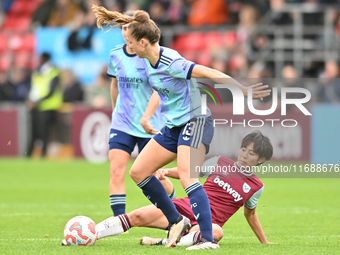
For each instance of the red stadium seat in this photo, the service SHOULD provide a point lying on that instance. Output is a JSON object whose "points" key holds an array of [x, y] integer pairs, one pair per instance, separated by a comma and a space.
{"points": [[34, 62], [189, 55], [3, 43], [195, 41], [28, 43], [5, 61], [9, 22], [213, 39], [204, 58], [189, 42], [14, 23], [179, 43], [229, 39], [15, 42], [23, 7], [23, 24], [18, 7], [22, 59]]}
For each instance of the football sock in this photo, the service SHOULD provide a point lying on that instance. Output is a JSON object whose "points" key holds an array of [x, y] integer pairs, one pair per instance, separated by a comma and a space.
{"points": [[113, 226], [155, 192], [200, 206], [118, 203], [173, 194], [190, 238]]}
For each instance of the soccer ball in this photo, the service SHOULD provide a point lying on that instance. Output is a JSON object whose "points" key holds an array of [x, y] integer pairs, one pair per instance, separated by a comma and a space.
{"points": [[80, 231]]}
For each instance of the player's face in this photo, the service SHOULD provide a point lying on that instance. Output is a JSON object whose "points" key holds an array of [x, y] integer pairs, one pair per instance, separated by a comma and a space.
{"points": [[247, 157], [134, 45], [124, 31]]}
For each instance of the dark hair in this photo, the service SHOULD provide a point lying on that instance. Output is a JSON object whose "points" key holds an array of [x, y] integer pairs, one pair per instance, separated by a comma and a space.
{"points": [[262, 145], [45, 56], [140, 24]]}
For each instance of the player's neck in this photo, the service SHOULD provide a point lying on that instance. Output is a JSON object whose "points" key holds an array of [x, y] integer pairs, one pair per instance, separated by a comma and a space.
{"points": [[129, 51], [153, 53]]}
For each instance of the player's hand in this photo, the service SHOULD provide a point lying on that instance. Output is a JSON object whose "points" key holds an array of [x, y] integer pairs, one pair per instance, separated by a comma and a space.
{"points": [[259, 91], [161, 173], [270, 243], [149, 129]]}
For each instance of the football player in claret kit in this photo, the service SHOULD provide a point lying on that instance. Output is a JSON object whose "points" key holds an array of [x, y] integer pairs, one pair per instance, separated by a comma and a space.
{"points": [[229, 187]]}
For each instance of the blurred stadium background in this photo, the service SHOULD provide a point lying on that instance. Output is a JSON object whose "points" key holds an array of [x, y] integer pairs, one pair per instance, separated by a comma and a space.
{"points": [[288, 42]]}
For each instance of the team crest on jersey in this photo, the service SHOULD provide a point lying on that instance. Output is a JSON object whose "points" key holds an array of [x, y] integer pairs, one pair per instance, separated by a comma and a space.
{"points": [[246, 187]]}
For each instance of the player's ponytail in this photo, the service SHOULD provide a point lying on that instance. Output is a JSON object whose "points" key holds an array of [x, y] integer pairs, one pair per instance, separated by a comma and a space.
{"points": [[140, 25], [112, 19]]}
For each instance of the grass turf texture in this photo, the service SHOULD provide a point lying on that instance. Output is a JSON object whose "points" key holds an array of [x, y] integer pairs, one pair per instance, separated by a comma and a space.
{"points": [[39, 197]]}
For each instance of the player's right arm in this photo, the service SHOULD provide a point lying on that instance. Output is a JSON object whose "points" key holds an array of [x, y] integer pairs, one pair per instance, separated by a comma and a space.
{"points": [[149, 112], [167, 172], [114, 92]]}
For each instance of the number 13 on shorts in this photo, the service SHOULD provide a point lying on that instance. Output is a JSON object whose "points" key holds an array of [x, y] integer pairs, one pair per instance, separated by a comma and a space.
{"points": [[189, 127]]}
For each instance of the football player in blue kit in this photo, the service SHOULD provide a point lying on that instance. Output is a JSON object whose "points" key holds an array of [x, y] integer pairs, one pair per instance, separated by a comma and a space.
{"points": [[130, 93], [187, 132]]}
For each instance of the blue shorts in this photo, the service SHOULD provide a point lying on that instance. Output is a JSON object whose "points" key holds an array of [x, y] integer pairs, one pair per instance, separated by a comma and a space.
{"points": [[123, 141], [196, 131]]}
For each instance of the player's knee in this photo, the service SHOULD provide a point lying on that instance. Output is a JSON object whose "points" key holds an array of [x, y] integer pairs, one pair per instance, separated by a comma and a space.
{"points": [[136, 218], [117, 172], [217, 233], [135, 175]]}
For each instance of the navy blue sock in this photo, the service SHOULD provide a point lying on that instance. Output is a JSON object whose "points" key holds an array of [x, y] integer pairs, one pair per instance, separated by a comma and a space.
{"points": [[155, 192], [173, 194], [200, 206], [118, 203]]}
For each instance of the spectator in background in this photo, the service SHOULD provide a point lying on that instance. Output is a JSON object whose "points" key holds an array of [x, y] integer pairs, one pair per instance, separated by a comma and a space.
{"points": [[72, 90], [158, 14], [6, 89], [21, 82], [290, 76], [83, 19], [45, 98], [290, 79], [98, 95], [208, 13], [329, 90], [177, 12], [278, 17], [43, 13], [248, 17], [62, 14]]}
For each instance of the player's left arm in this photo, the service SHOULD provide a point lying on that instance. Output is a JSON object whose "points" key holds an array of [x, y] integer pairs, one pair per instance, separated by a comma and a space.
{"points": [[149, 112], [259, 90]]}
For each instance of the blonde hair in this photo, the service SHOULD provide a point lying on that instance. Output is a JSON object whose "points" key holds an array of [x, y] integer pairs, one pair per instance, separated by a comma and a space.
{"points": [[140, 24]]}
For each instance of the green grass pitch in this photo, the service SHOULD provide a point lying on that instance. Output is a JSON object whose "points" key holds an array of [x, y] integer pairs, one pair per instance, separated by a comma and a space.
{"points": [[37, 198]]}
